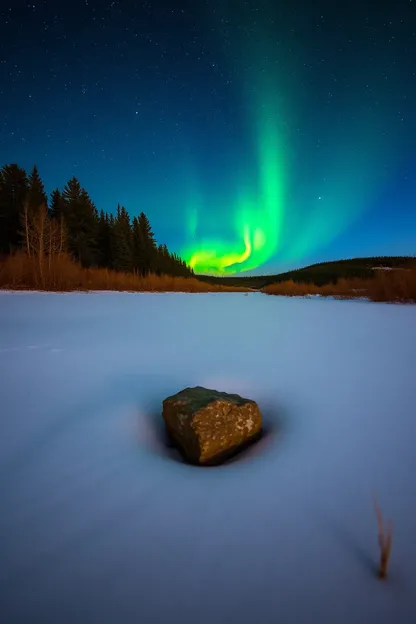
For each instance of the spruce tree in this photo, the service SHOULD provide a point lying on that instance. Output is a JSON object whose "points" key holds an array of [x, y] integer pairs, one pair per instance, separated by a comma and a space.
{"points": [[104, 241], [137, 245], [144, 245], [36, 196], [81, 219], [122, 243], [111, 230], [57, 204], [162, 260], [13, 193]]}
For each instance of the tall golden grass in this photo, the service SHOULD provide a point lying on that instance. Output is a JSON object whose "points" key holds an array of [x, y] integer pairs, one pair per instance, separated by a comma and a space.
{"points": [[21, 272], [396, 286]]}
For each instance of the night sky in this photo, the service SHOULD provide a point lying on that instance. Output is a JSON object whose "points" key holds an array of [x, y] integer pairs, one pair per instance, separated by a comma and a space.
{"points": [[256, 135]]}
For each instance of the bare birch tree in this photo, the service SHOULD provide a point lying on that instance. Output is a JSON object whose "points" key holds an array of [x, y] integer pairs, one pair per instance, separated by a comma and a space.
{"points": [[44, 239]]}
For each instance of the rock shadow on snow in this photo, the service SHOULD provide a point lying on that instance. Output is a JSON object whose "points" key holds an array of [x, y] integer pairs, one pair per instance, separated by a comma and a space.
{"points": [[154, 436]]}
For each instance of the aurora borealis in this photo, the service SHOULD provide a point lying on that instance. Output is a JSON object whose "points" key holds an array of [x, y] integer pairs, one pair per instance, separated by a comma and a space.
{"points": [[257, 136]]}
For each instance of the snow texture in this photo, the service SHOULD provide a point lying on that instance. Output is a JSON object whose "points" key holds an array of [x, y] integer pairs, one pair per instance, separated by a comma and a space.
{"points": [[101, 522]]}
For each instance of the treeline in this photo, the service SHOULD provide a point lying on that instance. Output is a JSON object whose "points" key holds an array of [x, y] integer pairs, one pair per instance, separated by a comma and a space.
{"points": [[327, 273], [71, 224], [322, 274], [395, 286]]}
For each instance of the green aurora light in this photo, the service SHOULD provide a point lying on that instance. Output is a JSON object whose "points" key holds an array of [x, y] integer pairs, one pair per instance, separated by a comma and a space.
{"points": [[265, 219], [257, 213], [257, 220]]}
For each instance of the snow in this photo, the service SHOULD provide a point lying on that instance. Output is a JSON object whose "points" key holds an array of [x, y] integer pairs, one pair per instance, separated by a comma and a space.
{"points": [[101, 522]]}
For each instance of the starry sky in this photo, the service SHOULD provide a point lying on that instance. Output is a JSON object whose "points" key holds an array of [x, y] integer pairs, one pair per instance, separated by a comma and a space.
{"points": [[256, 135]]}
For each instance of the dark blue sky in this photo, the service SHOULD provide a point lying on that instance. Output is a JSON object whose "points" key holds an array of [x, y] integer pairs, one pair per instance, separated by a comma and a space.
{"points": [[296, 118]]}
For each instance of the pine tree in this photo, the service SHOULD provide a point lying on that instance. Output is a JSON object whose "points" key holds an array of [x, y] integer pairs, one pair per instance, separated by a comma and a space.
{"points": [[171, 264], [122, 243], [56, 213], [57, 204], [162, 260], [81, 219], [144, 245], [104, 241], [137, 245], [36, 196], [13, 192], [111, 227]]}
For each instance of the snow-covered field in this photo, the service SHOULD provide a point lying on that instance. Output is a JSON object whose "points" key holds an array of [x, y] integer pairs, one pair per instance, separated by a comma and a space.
{"points": [[99, 522]]}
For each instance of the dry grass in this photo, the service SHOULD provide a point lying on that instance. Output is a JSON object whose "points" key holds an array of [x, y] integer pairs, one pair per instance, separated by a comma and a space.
{"points": [[60, 273], [19, 272], [397, 286], [384, 541], [342, 289]]}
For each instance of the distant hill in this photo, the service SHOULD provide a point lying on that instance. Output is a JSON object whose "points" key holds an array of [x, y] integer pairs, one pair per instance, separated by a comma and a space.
{"points": [[321, 273]]}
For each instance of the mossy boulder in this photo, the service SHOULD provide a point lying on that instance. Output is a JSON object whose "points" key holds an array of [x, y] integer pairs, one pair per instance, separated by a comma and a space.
{"points": [[208, 426]]}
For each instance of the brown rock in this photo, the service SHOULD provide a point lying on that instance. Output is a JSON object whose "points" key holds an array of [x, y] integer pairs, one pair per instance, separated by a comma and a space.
{"points": [[210, 426]]}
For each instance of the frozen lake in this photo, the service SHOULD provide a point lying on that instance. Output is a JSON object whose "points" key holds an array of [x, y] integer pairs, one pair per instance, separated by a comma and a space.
{"points": [[101, 523]]}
